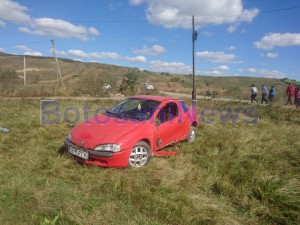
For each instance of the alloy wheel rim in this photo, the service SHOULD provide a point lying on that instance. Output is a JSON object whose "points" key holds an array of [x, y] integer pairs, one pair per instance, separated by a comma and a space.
{"points": [[138, 157]]}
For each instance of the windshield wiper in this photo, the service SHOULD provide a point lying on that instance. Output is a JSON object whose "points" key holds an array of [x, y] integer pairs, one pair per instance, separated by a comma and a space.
{"points": [[130, 116], [114, 114]]}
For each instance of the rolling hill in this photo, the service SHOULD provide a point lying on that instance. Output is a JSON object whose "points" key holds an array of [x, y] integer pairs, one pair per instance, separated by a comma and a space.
{"points": [[85, 76]]}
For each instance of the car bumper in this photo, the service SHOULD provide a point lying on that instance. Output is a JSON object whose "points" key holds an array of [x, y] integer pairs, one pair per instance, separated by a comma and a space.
{"points": [[102, 159]]}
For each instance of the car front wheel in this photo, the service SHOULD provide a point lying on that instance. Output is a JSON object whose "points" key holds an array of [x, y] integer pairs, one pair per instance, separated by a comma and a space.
{"points": [[192, 134], [140, 155]]}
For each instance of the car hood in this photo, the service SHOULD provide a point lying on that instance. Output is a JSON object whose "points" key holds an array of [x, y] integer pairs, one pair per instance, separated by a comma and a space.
{"points": [[103, 130]]}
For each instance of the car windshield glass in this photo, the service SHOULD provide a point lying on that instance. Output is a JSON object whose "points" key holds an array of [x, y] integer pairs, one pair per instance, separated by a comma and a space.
{"points": [[134, 108]]}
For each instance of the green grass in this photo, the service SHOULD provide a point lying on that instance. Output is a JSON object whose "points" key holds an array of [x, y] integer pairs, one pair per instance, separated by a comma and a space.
{"points": [[231, 174]]}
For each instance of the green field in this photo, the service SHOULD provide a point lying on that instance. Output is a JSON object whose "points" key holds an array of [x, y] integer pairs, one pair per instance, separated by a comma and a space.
{"points": [[231, 174]]}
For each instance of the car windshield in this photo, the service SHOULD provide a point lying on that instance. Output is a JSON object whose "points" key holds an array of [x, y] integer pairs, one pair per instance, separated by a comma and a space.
{"points": [[134, 108]]}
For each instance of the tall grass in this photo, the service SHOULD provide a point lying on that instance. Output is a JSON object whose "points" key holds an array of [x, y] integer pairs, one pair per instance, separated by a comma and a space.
{"points": [[231, 174]]}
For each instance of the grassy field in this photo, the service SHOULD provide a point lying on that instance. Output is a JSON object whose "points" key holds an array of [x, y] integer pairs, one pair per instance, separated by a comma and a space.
{"points": [[231, 174]]}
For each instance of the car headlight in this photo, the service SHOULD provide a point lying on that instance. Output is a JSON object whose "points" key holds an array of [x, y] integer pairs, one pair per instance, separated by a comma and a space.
{"points": [[69, 137], [108, 147]]}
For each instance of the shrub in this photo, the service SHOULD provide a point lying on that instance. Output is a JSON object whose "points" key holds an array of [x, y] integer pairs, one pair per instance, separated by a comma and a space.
{"points": [[129, 84]]}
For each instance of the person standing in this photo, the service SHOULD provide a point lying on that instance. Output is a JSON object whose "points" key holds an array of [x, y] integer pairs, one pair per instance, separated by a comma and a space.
{"points": [[253, 93], [272, 93], [264, 94], [296, 90], [298, 97], [290, 92]]}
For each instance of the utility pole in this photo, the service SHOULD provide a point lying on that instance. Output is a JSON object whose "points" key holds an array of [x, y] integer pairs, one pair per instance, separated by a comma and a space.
{"points": [[194, 37], [24, 76], [194, 94], [58, 69]]}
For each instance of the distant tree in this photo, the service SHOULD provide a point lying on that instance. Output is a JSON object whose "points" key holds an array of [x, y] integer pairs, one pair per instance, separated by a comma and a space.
{"points": [[165, 73], [129, 83]]}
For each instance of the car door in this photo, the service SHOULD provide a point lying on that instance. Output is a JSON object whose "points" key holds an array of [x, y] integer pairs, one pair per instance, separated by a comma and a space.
{"points": [[169, 127]]}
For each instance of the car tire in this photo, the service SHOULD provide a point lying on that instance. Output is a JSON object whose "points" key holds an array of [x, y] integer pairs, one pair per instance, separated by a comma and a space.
{"points": [[192, 134], [140, 155]]}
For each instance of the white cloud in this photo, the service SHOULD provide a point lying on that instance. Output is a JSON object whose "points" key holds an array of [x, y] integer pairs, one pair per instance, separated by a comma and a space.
{"points": [[264, 72], [248, 15], [232, 28], [33, 53], [13, 12], [177, 13], [93, 31], [22, 48], [270, 55], [58, 52], [2, 49], [27, 51], [97, 55], [77, 53], [171, 67], [221, 68], [104, 55], [136, 2], [24, 30], [218, 57], [272, 40], [217, 71], [231, 48], [59, 28], [154, 50], [211, 73], [137, 59]]}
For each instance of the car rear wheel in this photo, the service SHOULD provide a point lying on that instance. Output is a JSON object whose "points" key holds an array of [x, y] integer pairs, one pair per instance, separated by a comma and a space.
{"points": [[192, 134], [140, 155]]}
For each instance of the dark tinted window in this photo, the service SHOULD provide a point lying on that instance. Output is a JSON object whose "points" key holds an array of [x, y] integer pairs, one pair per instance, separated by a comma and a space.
{"points": [[184, 107], [168, 112]]}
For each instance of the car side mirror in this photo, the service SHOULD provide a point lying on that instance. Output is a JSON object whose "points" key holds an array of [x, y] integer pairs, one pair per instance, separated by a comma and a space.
{"points": [[157, 122]]}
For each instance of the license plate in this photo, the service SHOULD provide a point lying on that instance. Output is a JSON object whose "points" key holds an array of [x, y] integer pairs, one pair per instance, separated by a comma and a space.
{"points": [[78, 152]]}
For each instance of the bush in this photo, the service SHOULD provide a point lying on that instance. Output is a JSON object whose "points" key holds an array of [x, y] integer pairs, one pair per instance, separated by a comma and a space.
{"points": [[129, 85]]}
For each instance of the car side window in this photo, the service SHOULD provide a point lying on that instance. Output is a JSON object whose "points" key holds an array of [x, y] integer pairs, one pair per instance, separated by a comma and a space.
{"points": [[168, 112]]}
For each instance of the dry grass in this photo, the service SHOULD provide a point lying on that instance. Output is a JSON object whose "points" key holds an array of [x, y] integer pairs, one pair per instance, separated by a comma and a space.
{"points": [[231, 174]]}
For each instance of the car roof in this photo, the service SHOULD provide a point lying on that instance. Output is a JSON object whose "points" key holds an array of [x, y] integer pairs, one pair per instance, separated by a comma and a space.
{"points": [[154, 97]]}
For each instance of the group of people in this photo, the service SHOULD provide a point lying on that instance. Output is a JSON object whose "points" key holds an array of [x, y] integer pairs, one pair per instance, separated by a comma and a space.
{"points": [[265, 92], [292, 92]]}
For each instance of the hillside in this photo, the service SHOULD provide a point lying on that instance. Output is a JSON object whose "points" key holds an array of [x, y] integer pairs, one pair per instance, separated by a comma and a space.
{"points": [[84, 77]]}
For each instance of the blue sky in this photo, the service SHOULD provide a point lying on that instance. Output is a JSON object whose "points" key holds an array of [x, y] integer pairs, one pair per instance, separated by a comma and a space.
{"points": [[259, 38]]}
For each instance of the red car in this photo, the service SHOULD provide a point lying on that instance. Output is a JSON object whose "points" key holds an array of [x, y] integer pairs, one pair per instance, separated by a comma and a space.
{"points": [[128, 134]]}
